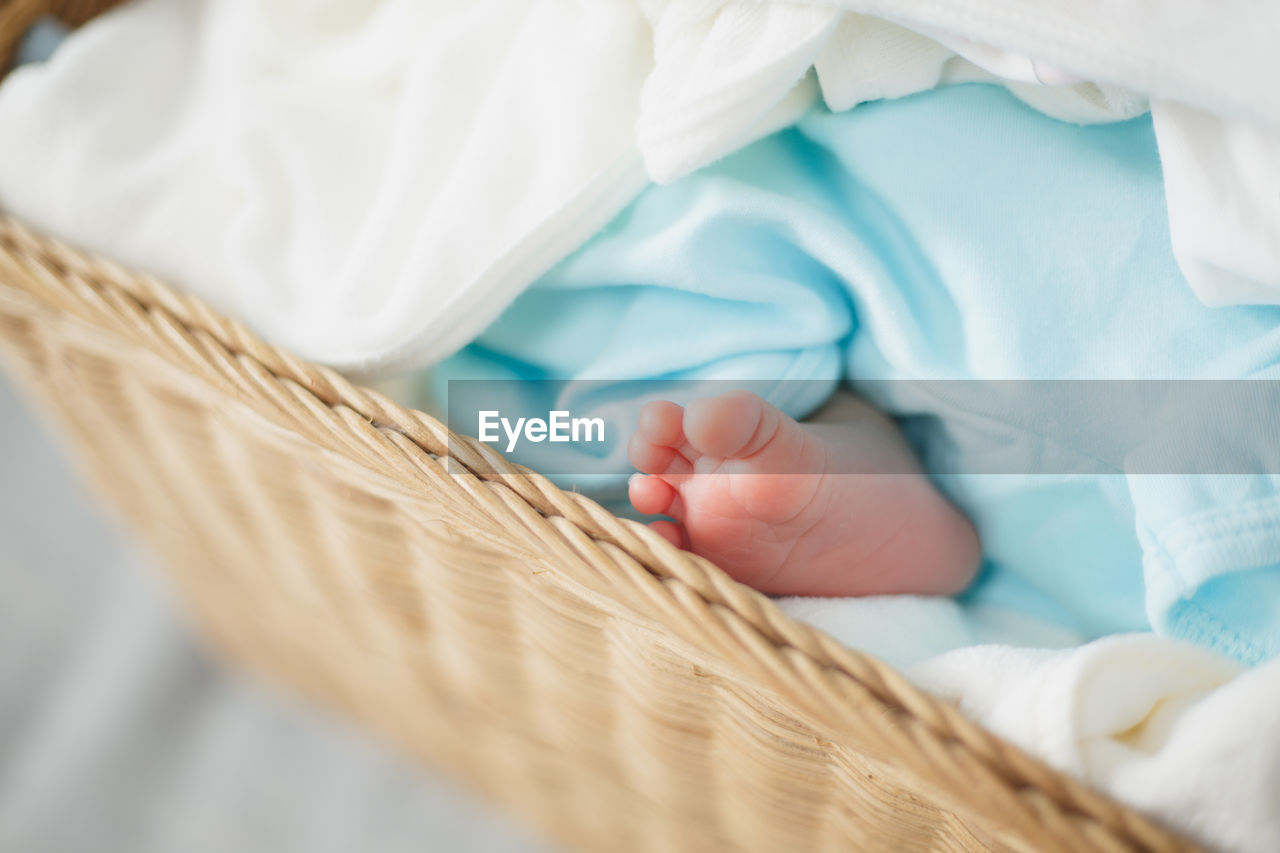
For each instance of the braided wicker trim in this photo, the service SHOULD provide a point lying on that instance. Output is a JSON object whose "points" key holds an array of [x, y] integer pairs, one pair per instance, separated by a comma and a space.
{"points": [[856, 694]]}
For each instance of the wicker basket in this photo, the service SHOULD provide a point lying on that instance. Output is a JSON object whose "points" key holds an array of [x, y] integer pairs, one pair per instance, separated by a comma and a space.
{"points": [[616, 692]]}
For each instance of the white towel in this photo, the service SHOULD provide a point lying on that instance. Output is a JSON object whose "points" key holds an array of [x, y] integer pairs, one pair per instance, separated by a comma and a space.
{"points": [[728, 70], [366, 183], [1222, 185], [1180, 732], [371, 183], [723, 64], [1170, 728]]}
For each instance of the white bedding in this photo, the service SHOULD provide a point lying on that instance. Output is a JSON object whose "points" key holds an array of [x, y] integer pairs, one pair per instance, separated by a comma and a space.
{"points": [[1180, 732], [370, 184]]}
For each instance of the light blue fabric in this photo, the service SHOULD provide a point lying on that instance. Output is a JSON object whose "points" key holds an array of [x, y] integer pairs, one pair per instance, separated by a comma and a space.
{"points": [[950, 235], [40, 42]]}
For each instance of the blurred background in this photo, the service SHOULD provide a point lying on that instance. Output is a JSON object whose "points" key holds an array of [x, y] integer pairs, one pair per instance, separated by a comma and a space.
{"points": [[118, 733]]}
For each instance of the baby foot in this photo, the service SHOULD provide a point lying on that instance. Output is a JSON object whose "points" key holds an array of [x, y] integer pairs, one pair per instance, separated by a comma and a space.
{"points": [[791, 509]]}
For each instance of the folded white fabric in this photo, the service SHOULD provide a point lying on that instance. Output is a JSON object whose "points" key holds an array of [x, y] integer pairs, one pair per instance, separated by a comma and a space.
{"points": [[370, 183], [1178, 731], [365, 183], [728, 71], [725, 74], [723, 63], [1170, 728], [1222, 185]]}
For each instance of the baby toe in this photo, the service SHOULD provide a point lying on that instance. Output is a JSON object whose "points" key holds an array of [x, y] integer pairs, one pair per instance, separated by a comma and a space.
{"points": [[671, 532], [653, 496], [730, 426], [653, 458], [660, 423]]}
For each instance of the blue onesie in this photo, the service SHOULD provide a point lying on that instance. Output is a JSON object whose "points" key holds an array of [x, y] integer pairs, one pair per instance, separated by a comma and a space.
{"points": [[952, 235]]}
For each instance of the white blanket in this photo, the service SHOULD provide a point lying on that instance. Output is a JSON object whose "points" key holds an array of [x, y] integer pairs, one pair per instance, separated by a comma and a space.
{"points": [[1209, 69], [370, 183], [1168, 727], [366, 183], [1180, 732]]}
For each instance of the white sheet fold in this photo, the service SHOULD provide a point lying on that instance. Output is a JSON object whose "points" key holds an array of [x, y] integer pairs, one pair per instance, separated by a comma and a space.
{"points": [[370, 183], [1185, 734], [1210, 66], [1170, 728], [1222, 185], [367, 184]]}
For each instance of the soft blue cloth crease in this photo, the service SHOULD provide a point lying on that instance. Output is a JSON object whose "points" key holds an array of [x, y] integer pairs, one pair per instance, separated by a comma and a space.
{"points": [[951, 235], [40, 41]]}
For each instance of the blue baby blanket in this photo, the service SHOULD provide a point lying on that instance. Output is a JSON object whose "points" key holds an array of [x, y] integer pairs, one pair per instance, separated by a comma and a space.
{"points": [[951, 236]]}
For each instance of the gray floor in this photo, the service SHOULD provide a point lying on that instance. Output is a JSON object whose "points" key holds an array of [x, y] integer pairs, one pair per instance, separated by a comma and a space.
{"points": [[118, 734]]}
